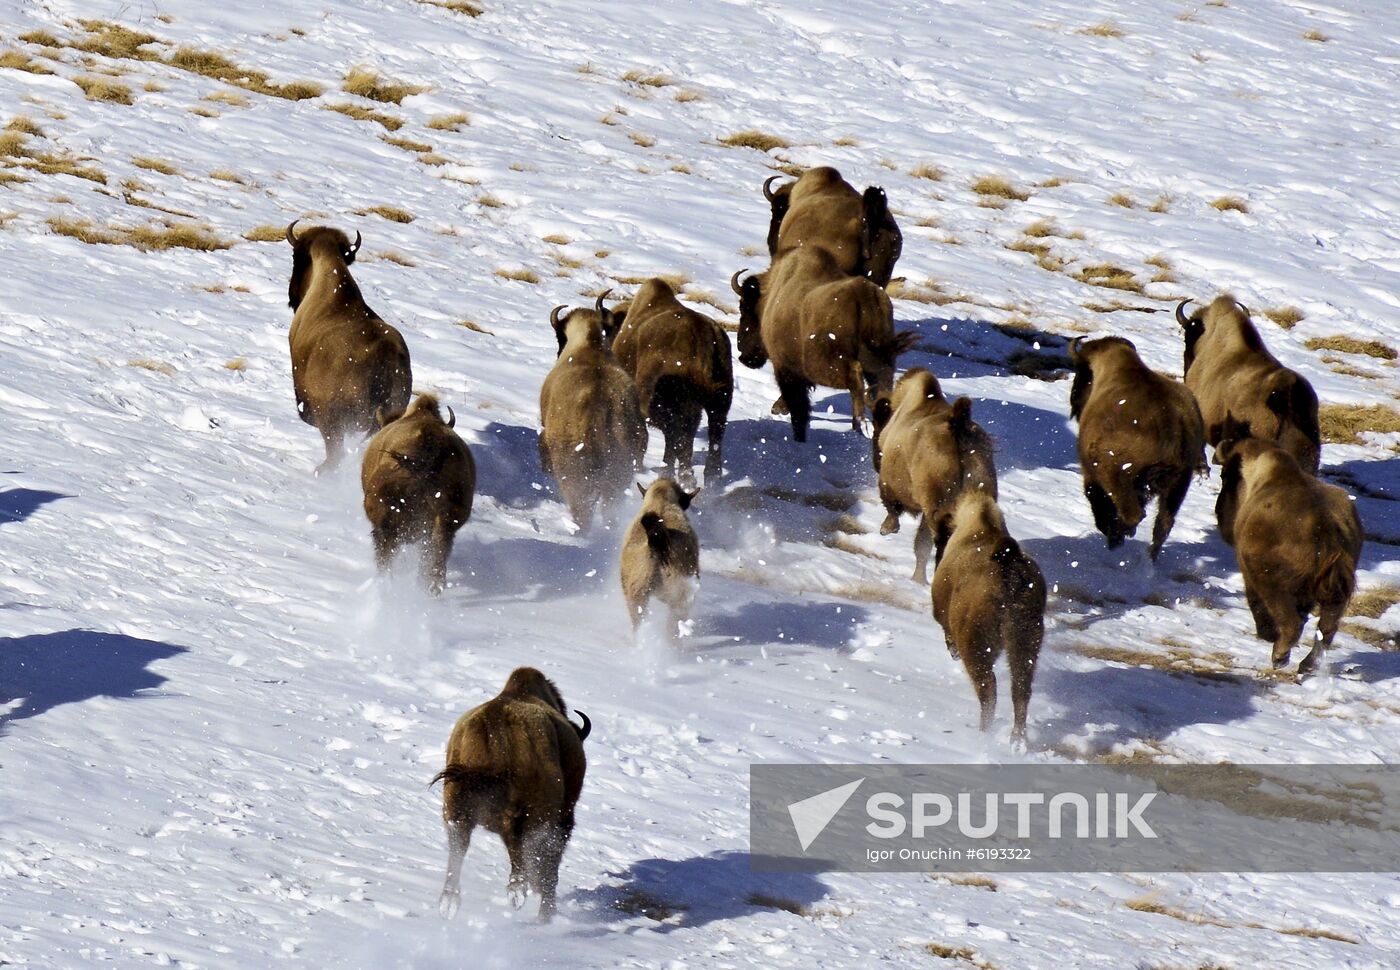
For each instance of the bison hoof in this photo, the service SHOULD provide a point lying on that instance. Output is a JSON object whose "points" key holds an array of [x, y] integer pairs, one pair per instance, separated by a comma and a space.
{"points": [[448, 902], [516, 895], [1309, 662], [779, 407], [890, 526], [920, 576]]}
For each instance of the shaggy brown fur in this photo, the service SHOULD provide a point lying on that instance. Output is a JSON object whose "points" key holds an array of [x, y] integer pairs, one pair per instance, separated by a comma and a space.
{"points": [[989, 597], [822, 209], [347, 363], [927, 453], [419, 480], [1230, 371], [1140, 436], [593, 437], [515, 767], [661, 555], [682, 364], [1297, 541], [819, 327]]}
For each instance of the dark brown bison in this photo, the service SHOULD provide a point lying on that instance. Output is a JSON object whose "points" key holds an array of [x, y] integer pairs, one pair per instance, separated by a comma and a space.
{"points": [[347, 363], [926, 453], [1140, 436], [1297, 540], [989, 598], [820, 208], [1230, 371], [683, 366], [515, 767], [419, 480]]}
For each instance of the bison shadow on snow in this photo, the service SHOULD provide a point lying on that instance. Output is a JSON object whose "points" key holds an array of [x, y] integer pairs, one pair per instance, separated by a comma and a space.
{"points": [[799, 623], [18, 504], [51, 669], [689, 893]]}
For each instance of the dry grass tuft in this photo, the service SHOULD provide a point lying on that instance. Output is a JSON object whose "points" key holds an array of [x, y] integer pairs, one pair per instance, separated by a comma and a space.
{"points": [[1346, 423], [1286, 317], [1372, 603], [40, 37], [1122, 199], [407, 144], [557, 239], [472, 325], [926, 171], [994, 186], [104, 89], [394, 256], [1370, 635], [238, 364], [677, 281], [1353, 345], [185, 235], [212, 64], [1164, 273], [1042, 228], [1230, 203], [689, 94], [366, 83], [519, 275], [753, 138], [490, 201], [641, 140], [366, 114], [709, 299], [452, 122], [152, 365], [647, 80], [1109, 276], [25, 125], [964, 953], [433, 158], [464, 7], [48, 163], [234, 99], [228, 175], [14, 60], [768, 901], [1106, 29], [114, 40], [391, 212], [1316, 35], [154, 165], [266, 234], [1162, 204]]}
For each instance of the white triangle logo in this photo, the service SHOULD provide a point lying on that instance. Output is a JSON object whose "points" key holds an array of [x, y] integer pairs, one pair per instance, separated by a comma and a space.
{"points": [[811, 815]]}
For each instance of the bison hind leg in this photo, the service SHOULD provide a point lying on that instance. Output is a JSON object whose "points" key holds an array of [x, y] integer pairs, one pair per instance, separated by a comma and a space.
{"points": [[1106, 518], [1167, 505], [458, 839]]}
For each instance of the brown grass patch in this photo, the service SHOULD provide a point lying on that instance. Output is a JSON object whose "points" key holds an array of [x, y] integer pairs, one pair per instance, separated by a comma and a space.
{"points": [[1164, 273], [557, 239], [676, 281], [407, 144], [1106, 29], [1122, 199], [1346, 423], [1286, 317], [147, 238], [753, 138], [1053, 182], [490, 201], [709, 299], [366, 82], [11, 178], [452, 122], [155, 165], [964, 953], [394, 256], [367, 114], [228, 175], [24, 125], [647, 80], [1162, 203], [15, 60], [1352, 345], [212, 64], [204, 111], [391, 212], [152, 365], [688, 95], [1230, 203], [40, 37], [519, 275], [994, 186], [1109, 276], [1042, 228], [972, 880], [48, 163], [104, 89], [464, 7], [237, 364], [266, 234], [926, 171], [1372, 603], [478, 328], [1149, 903], [234, 99], [1024, 245], [1316, 36], [641, 140], [1370, 635], [114, 40]]}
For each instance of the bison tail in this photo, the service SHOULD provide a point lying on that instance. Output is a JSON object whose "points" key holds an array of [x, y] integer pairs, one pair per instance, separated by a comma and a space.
{"points": [[658, 536], [1336, 578], [1293, 401]]}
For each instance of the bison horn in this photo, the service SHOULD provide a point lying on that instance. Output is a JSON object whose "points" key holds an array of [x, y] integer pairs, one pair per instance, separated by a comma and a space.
{"points": [[587, 728], [554, 314], [358, 239], [1074, 348], [292, 231], [451, 417], [734, 281], [1244, 308], [768, 192], [598, 307], [1181, 314]]}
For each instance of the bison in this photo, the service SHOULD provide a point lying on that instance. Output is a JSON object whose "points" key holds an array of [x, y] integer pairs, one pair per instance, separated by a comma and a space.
{"points": [[1297, 540], [1230, 371], [347, 363], [593, 436], [515, 767], [1140, 436], [989, 598], [822, 209], [661, 555], [819, 327], [682, 364], [927, 453], [419, 480]]}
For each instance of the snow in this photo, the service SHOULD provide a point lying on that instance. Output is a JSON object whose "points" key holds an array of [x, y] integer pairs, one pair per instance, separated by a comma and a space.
{"points": [[217, 726]]}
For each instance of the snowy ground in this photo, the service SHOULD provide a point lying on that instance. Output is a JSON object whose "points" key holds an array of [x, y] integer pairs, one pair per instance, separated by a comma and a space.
{"points": [[216, 727]]}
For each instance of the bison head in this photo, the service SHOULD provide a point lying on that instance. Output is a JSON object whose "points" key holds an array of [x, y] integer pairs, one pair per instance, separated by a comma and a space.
{"points": [[322, 239], [752, 353], [778, 200]]}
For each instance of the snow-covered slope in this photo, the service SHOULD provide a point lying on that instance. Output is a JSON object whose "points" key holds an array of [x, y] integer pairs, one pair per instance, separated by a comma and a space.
{"points": [[220, 726]]}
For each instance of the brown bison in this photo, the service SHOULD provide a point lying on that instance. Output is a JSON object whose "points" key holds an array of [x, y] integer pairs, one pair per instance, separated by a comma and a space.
{"points": [[514, 767], [661, 555], [819, 327], [1297, 541], [1140, 436], [594, 437], [419, 480], [682, 364], [822, 209], [989, 598], [1230, 371], [347, 363], [926, 453]]}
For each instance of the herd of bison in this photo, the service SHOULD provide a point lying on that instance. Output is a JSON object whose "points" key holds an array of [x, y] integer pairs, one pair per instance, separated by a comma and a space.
{"points": [[820, 314]]}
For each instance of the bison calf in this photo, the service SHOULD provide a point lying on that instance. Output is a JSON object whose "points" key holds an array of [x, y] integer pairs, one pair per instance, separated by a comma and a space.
{"points": [[926, 454], [514, 767], [1297, 541], [661, 555], [989, 597], [1140, 436]]}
